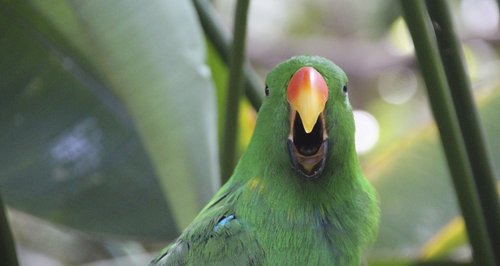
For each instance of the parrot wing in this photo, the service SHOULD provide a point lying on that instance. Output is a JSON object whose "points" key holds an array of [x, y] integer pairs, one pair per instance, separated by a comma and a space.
{"points": [[216, 237]]}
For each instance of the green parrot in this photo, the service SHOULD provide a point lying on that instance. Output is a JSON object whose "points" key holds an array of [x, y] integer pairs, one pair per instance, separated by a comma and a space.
{"points": [[297, 195]]}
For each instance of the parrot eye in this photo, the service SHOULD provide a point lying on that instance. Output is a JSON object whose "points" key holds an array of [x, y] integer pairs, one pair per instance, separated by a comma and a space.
{"points": [[266, 90], [344, 89]]}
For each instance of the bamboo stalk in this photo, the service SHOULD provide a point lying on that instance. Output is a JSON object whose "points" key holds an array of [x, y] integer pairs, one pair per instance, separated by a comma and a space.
{"points": [[217, 35], [7, 247], [235, 84], [451, 138], [468, 118]]}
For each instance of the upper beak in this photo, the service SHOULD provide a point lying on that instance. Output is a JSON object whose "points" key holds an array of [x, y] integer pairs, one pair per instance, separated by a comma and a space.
{"points": [[307, 93]]}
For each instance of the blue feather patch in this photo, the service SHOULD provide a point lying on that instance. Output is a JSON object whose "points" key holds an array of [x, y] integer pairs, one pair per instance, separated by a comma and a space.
{"points": [[223, 222]]}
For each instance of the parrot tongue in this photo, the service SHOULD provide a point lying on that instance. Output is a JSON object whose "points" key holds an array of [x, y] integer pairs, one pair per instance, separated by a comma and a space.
{"points": [[308, 150]]}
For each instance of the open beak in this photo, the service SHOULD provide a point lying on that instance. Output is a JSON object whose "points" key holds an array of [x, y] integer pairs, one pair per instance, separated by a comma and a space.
{"points": [[307, 93]]}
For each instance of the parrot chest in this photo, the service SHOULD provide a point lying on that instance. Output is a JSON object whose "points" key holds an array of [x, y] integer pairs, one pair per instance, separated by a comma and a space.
{"points": [[294, 232]]}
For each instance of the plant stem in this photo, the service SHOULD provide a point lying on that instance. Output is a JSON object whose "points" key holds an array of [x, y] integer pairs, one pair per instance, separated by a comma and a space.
{"points": [[216, 33], [451, 138], [468, 118], [235, 85], [7, 247]]}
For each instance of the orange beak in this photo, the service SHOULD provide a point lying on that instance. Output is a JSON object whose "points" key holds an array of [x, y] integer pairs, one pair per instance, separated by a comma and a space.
{"points": [[307, 94]]}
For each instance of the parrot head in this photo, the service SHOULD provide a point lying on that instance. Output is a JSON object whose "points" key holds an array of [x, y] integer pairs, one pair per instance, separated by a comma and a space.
{"points": [[310, 95]]}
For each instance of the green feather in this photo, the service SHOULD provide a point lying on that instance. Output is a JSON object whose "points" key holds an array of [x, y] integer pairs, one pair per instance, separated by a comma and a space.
{"points": [[280, 217]]}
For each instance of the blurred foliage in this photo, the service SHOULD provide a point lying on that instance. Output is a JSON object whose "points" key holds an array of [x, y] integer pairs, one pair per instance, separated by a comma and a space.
{"points": [[90, 142], [418, 204], [108, 119]]}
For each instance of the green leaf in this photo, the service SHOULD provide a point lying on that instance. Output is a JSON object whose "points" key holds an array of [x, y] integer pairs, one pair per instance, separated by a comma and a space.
{"points": [[105, 107]]}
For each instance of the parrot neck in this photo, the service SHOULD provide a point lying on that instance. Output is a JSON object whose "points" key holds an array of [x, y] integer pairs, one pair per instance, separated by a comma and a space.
{"points": [[332, 212]]}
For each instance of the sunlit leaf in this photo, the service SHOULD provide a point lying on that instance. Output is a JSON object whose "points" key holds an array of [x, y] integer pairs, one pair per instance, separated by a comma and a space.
{"points": [[448, 238]]}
